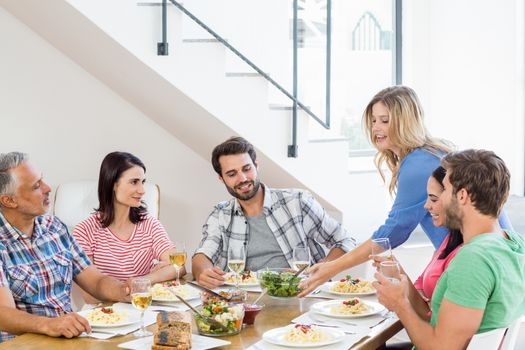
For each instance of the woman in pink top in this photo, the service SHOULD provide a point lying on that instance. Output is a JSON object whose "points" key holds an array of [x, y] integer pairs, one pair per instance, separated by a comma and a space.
{"points": [[427, 281], [120, 238], [421, 291]]}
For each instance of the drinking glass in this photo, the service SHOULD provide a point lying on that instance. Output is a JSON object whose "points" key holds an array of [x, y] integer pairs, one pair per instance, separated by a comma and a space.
{"points": [[236, 261], [391, 270], [178, 257], [141, 300], [301, 258], [381, 247]]}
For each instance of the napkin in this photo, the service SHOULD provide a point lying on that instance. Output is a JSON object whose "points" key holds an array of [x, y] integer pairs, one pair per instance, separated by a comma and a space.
{"points": [[198, 343]]}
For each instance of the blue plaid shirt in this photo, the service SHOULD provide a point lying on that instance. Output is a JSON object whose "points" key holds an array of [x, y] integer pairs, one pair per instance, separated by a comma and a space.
{"points": [[39, 269], [294, 217]]}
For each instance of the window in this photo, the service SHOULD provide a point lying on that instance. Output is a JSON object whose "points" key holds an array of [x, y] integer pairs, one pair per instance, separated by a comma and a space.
{"points": [[363, 62]]}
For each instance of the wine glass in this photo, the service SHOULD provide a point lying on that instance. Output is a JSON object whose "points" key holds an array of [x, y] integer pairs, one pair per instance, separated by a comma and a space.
{"points": [[301, 257], [141, 300], [236, 261], [391, 270], [178, 257], [381, 247]]}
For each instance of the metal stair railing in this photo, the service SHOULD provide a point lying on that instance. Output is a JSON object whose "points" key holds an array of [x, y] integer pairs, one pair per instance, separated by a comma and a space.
{"points": [[162, 49]]}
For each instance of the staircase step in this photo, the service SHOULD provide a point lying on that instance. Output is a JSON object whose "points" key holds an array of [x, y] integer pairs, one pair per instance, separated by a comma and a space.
{"points": [[243, 74], [202, 40]]}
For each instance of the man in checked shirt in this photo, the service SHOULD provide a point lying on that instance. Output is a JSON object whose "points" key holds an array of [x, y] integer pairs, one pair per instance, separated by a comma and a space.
{"points": [[268, 222], [39, 259]]}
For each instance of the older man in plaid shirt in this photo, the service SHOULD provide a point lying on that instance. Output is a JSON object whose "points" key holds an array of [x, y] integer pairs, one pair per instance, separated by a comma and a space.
{"points": [[268, 222], [39, 259]]}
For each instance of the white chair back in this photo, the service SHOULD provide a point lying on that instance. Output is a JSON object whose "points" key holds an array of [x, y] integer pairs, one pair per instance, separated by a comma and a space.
{"points": [[487, 341], [75, 201], [509, 342]]}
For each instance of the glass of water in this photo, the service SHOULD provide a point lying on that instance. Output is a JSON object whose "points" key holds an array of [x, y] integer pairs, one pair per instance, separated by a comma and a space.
{"points": [[381, 247], [391, 270]]}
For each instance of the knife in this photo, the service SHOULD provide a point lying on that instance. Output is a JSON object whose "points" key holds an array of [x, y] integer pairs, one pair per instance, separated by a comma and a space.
{"points": [[207, 290]]}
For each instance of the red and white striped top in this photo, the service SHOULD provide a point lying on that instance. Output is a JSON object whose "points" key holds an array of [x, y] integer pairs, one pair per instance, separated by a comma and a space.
{"points": [[123, 259]]}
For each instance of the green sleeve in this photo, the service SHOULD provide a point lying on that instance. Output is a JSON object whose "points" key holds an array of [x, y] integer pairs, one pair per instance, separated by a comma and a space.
{"points": [[470, 279]]}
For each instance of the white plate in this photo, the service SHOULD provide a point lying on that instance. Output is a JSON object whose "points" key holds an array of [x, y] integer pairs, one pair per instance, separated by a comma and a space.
{"points": [[192, 295], [133, 316], [326, 288], [323, 308], [240, 283], [276, 336]]}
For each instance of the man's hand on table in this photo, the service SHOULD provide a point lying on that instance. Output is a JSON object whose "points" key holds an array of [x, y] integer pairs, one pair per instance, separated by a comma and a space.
{"points": [[212, 277], [69, 326]]}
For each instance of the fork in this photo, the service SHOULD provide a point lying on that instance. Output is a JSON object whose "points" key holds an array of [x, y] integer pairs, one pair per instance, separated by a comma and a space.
{"points": [[378, 323]]}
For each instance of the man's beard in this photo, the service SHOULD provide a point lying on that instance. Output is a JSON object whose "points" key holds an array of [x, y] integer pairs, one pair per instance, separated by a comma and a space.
{"points": [[245, 197], [454, 217]]}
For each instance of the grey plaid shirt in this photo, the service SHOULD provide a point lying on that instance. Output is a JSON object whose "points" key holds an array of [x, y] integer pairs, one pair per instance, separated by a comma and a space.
{"points": [[294, 217]]}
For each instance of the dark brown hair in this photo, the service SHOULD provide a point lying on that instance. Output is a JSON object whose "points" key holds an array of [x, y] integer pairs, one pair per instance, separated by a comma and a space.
{"points": [[483, 175], [111, 169], [234, 145], [455, 238]]}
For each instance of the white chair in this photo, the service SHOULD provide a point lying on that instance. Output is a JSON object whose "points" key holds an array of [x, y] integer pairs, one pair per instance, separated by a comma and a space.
{"points": [[75, 201], [487, 341], [497, 339], [509, 341]]}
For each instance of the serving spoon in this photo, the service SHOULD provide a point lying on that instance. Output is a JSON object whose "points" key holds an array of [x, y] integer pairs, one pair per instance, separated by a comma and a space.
{"points": [[214, 324]]}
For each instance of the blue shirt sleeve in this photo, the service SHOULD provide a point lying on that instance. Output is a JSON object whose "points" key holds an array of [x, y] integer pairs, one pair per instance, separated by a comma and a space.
{"points": [[408, 208], [504, 221]]}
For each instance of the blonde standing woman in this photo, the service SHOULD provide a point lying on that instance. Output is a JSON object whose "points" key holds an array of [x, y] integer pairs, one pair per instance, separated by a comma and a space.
{"points": [[394, 124]]}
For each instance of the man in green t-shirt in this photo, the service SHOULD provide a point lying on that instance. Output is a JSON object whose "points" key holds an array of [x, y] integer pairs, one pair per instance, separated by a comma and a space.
{"points": [[483, 287]]}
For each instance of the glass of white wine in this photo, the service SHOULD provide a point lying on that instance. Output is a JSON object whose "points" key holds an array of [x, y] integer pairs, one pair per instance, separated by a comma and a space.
{"points": [[178, 257], [301, 258], [381, 247], [141, 300], [236, 261]]}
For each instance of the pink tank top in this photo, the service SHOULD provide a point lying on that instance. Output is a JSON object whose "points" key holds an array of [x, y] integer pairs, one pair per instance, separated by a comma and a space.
{"points": [[435, 268]]}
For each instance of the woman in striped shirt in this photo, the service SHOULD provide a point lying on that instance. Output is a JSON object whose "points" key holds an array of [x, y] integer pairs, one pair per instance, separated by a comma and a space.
{"points": [[121, 238]]}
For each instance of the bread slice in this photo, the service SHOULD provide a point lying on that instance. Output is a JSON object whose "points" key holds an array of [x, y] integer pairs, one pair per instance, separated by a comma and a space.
{"points": [[174, 329], [171, 337], [173, 318]]}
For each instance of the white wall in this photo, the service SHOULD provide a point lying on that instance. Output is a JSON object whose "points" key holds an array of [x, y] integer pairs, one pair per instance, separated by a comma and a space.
{"points": [[68, 121], [465, 60]]}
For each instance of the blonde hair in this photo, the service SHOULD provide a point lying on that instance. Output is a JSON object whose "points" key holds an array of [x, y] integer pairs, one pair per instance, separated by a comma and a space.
{"points": [[406, 131]]}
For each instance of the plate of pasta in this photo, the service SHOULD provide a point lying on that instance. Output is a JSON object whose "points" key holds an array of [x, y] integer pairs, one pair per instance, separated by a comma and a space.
{"points": [[347, 308], [303, 336], [349, 286], [246, 279], [162, 292], [106, 317]]}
